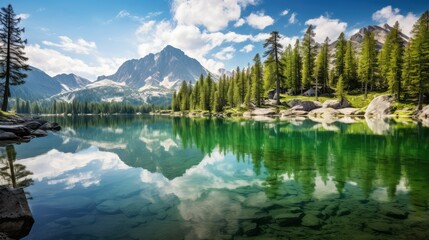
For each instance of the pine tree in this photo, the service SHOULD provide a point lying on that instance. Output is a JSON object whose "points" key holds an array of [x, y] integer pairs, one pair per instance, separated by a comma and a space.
{"points": [[237, 88], [257, 91], [231, 90], [322, 67], [367, 63], [296, 66], [308, 53], [406, 70], [350, 68], [269, 78], [395, 63], [340, 54], [274, 49], [287, 59], [420, 58], [12, 56], [340, 88], [248, 82]]}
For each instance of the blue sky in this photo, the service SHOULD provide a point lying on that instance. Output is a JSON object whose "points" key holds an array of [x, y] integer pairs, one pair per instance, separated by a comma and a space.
{"points": [[92, 38]]}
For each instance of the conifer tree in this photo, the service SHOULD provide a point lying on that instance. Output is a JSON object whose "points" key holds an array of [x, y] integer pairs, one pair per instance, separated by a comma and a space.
{"points": [[274, 49], [308, 55], [340, 54], [257, 91], [269, 78], [395, 63], [296, 66], [12, 56], [406, 69], [350, 67], [419, 74], [322, 67], [340, 88], [367, 63]]}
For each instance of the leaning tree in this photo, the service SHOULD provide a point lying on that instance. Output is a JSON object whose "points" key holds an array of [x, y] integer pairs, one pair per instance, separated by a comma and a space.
{"points": [[12, 55]]}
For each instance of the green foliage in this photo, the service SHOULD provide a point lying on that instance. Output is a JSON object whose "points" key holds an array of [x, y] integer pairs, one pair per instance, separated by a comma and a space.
{"points": [[322, 66], [308, 54], [367, 63], [340, 56], [340, 88], [274, 49], [257, 86]]}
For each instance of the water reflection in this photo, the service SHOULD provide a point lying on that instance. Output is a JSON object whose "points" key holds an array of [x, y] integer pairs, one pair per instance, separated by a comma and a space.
{"points": [[216, 178], [13, 174]]}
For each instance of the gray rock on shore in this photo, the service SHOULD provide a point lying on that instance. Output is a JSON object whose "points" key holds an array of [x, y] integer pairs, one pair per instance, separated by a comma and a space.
{"points": [[304, 105], [381, 106], [336, 104]]}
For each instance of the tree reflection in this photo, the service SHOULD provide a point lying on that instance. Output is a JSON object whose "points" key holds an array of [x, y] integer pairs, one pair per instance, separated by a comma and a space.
{"points": [[13, 174]]}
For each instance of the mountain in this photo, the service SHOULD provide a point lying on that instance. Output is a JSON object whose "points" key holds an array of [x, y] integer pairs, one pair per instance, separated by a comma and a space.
{"points": [[71, 81], [380, 34], [166, 69], [38, 85], [151, 79]]}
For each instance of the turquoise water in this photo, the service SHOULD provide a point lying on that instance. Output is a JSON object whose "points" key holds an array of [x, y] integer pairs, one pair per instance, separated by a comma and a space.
{"points": [[179, 178]]}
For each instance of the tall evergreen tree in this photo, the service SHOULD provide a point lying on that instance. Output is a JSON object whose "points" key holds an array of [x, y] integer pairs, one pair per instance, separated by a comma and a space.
{"points": [[420, 58], [274, 49], [296, 66], [367, 63], [257, 86], [395, 63], [322, 66], [340, 54], [12, 56], [269, 78], [308, 55], [350, 67], [406, 69], [340, 88]]}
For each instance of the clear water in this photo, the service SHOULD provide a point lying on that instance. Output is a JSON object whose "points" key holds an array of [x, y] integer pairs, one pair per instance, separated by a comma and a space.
{"points": [[178, 178]]}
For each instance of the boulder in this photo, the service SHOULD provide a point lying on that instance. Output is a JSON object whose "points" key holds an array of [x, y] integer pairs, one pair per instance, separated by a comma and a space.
{"points": [[394, 212], [108, 207], [424, 113], [39, 133], [4, 136], [336, 104], [263, 111], [311, 221], [304, 105], [19, 130], [16, 219], [381, 106], [250, 229], [293, 112], [33, 125], [349, 111], [324, 113], [380, 227], [50, 126]]}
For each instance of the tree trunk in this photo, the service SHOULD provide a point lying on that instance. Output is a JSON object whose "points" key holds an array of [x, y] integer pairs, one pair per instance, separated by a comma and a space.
{"points": [[316, 88], [420, 105], [6, 93]]}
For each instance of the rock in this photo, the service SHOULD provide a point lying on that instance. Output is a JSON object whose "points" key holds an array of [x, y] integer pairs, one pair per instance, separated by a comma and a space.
{"points": [[378, 126], [292, 112], [332, 209], [4, 237], [424, 113], [336, 104], [304, 105], [289, 219], [39, 133], [380, 227], [349, 111], [394, 212], [8, 136], [108, 207], [19, 130], [131, 210], [250, 229], [324, 113], [33, 125], [263, 111], [344, 212], [16, 219], [50, 126], [381, 106], [311, 221]]}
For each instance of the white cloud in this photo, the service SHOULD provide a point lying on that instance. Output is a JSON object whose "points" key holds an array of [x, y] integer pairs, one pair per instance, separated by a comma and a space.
{"points": [[259, 20], [214, 15], [292, 18], [123, 13], [326, 27], [126, 14], [285, 12], [54, 62], [390, 15], [226, 53], [23, 16], [260, 37], [248, 48], [67, 44], [285, 41], [239, 23]]}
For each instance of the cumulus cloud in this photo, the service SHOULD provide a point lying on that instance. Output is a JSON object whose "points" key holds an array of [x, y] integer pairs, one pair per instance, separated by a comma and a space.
{"points": [[259, 20], [292, 19], [214, 15], [248, 48], [67, 44], [239, 23], [285, 41], [126, 14], [23, 16], [226, 53], [326, 27], [54, 62], [390, 15], [260, 37], [285, 12]]}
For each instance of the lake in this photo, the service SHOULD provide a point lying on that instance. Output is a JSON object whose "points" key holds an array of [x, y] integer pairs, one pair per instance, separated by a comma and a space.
{"points": [[154, 177]]}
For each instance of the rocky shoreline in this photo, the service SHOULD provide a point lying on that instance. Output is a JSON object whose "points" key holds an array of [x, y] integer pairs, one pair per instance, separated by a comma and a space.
{"points": [[18, 129], [380, 107]]}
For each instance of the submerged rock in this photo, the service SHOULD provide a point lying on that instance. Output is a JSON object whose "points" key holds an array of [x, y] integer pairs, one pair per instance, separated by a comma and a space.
{"points": [[289, 219], [380, 227], [250, 229], [394, 212], [311, 221], [16, 219], [108, 207]]}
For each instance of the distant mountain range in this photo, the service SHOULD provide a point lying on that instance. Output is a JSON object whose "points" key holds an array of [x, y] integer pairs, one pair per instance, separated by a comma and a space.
{"points": [[151, 79]]}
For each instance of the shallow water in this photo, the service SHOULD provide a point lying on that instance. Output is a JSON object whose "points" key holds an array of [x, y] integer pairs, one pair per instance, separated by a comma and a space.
{"points": [[178, 178]]}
